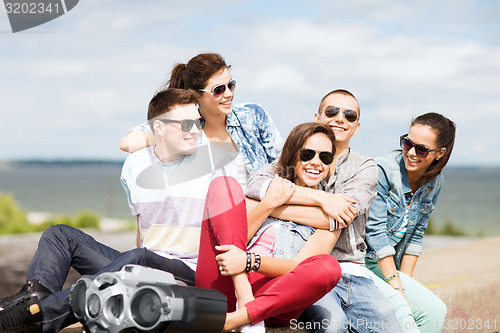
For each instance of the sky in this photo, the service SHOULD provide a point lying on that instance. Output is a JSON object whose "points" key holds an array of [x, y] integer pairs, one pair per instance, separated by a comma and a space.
{"points": [[71, 88]]}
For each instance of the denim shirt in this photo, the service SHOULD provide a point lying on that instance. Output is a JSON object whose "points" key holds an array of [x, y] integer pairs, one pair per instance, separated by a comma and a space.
{"points": [[255, 134], [388, 209], [252, 130]]}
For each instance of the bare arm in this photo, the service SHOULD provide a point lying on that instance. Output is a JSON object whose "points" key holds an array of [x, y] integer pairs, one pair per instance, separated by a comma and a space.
{"points": [[321, 242], [312, 216], [279, 191], [388, 268], [338, 206], [135, 140], [306, 215], [408, 263], [257, 213]]}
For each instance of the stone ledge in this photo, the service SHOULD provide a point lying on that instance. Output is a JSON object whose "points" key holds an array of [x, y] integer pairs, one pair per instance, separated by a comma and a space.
{"points": [[466, 277]]}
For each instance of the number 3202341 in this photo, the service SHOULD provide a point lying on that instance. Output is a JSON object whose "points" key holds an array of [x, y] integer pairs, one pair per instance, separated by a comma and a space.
{"points": [[31, 8], [470, 324]]}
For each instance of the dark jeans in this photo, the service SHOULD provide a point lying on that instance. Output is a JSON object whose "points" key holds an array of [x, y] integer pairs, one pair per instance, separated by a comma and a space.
{"points": [[61, 247]]}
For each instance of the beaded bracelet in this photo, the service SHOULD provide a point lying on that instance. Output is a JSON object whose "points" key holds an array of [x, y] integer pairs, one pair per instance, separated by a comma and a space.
{"points": [[249, 262], [256, 265], [392, 277]]}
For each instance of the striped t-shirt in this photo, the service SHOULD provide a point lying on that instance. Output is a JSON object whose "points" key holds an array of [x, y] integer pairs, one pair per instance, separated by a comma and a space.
{"points": [[399, 234], [169, 198]]}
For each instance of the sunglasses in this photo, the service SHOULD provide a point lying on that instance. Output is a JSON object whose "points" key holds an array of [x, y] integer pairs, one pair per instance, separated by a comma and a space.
{"points": [[219, 90], [187, 124], [420, 150], [350, 115], [325, 157]]}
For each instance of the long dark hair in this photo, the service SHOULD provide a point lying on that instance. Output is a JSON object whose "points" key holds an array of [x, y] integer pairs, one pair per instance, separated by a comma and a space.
{"points": [[196, 72], [285, 167], [445, 130]]}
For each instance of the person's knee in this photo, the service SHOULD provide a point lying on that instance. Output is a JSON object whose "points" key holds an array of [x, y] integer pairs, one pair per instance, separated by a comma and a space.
{"points": [[327, 269], [56, 231], [325, 318], [332, 321], [224, 195], [223, 182], [437, 309], [137, 256], [227, 188]]}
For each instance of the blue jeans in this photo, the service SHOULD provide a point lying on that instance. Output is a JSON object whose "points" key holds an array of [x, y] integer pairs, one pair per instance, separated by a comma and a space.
{"points": [[354, 305], [61, 247]]}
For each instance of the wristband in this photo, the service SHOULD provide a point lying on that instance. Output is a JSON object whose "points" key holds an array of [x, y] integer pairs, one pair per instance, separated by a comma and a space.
{"points": [[249, 262], [334, 225], [392, 277], [256, 265]]}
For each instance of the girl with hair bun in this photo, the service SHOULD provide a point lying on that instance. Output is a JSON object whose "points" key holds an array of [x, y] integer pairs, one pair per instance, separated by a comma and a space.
{"points": [[248, 127]]}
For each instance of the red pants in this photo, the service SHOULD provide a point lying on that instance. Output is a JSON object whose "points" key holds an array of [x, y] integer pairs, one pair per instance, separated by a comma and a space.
{"points": [[278, 300]]}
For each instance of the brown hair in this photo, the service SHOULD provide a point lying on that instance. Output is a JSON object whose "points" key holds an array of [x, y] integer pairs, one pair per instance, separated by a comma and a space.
{"points": [[285, 167], [167, 99], [339, 92], [196, 73], [445, 130]]}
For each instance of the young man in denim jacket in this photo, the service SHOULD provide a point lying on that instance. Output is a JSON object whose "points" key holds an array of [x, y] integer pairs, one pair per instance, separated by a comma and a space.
{"points": [[355, 303]]}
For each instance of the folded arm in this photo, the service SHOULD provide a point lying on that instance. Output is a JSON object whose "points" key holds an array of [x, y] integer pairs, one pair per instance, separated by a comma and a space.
{"points": [[234, 259], [337, 206], [306, 215], [280, 190]]}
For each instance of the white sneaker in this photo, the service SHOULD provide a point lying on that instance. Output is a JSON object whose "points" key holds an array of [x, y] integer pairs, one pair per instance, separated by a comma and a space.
{"points": [[255, 328], [259, 327]]}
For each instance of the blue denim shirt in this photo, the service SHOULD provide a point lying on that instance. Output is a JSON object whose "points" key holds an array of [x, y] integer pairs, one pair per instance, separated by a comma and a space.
{"points": [[252, 130], [388, 209], [255, 134]]}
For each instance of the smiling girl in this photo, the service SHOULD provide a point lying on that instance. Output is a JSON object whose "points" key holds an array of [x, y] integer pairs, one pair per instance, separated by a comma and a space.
{"points": [[410, 182], [246, 126], [282, 289]]}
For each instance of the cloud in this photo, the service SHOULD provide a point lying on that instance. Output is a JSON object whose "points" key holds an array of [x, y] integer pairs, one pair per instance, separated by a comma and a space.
{"points": [[78, 83]]}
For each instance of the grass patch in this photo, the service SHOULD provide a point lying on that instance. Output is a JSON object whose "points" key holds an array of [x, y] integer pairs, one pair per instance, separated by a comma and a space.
{"points": [[449, 229]]}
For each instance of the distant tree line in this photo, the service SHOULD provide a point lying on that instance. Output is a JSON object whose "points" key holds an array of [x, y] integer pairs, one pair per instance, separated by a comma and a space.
{"points": [[13, 219]]}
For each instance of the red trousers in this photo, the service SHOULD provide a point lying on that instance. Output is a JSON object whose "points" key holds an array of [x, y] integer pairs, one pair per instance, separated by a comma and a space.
{"points": [[277, 300]]}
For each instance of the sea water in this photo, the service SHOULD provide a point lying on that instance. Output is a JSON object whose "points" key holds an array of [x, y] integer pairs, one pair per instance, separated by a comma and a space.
{"points": [[470, 198]]}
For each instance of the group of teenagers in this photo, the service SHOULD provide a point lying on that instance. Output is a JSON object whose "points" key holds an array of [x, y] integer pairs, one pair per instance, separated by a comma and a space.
{"points": [[305, 232]]}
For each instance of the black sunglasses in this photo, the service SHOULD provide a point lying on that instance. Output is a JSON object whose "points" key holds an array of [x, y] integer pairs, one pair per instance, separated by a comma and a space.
{"points": [[350, 115], [187, 124], [219, 90], [421, 151], [308, 154]]}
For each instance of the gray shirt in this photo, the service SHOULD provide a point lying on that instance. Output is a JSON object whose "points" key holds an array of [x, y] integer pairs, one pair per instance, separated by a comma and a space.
{"points": [[355, 176]]}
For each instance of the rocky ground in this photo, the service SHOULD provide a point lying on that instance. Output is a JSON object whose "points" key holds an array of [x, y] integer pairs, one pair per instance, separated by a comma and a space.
{"points": [[16, 252]]}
